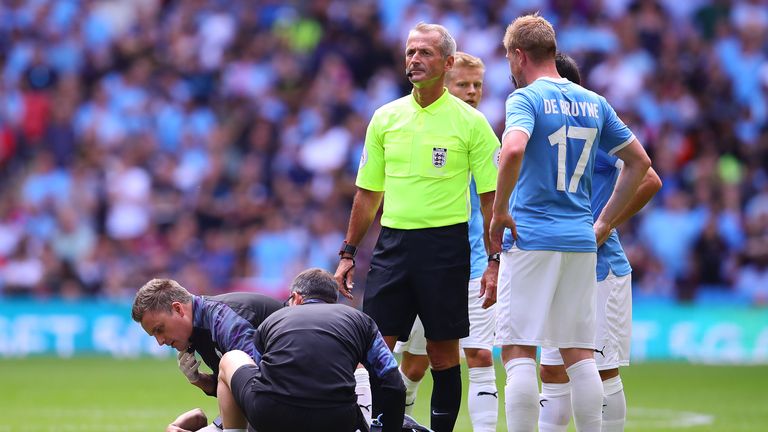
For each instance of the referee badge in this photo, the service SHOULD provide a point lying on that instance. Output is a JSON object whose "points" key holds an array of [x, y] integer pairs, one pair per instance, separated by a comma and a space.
{"points": [[438, 156]]}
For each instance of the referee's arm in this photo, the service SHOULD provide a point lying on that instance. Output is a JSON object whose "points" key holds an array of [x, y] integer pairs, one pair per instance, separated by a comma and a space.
{"points": [[486, 208], [364, 208], [489, 281]]}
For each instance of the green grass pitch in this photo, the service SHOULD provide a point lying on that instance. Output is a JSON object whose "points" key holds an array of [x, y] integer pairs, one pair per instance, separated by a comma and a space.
{"points": [[107, 395]]}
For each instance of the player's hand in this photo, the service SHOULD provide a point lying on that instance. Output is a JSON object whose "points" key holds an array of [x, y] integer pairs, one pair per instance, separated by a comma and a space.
{"points": [[189, 365], [174, 428], [602, 231], [344, 275], [489, 283], [498, 223]]}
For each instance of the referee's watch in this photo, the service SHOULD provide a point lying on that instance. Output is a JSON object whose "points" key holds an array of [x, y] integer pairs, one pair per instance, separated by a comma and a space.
{"points": [[347, 248], [495, 257]]}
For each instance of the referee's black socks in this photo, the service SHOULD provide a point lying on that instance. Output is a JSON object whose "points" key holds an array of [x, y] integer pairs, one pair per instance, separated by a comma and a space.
{"points": [[446, 399]]}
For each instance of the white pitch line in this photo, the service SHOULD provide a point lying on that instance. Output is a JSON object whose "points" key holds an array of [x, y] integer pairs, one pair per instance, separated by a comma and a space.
{"points": [[655, 418]]}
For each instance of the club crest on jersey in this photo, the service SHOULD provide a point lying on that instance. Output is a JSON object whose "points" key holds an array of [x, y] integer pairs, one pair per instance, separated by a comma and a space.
{"points": [[439, 155]]}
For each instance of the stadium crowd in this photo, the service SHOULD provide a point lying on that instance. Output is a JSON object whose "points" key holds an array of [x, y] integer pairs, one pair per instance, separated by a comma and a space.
{"points": [[216, 142]]}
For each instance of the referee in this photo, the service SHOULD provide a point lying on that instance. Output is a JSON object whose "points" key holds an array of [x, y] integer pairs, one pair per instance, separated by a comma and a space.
{"points": [[418, 156]]}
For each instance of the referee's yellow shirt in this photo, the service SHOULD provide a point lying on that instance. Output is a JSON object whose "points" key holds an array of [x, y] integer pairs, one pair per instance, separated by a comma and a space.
{"points": [[421, 158]]}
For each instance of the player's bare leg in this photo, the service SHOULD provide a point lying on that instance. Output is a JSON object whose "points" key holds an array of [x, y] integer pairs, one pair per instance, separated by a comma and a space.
{"points": [[232, 416]]}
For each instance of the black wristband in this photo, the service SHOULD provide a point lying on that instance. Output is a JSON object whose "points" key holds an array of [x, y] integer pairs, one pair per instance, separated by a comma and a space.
{"points": [[347, 248], [495, 257]]}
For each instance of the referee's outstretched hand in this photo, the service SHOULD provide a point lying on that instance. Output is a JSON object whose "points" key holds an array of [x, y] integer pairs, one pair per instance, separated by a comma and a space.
{"points": [[344, 275], [488, 284]]}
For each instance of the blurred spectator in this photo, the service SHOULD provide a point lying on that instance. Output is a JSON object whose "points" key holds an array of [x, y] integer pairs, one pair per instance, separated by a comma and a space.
{"points": [[23, 272], [752, 280], [74, 238], [217, 142], [670, 232], [128, 188], [708, 253], [277, 254]]}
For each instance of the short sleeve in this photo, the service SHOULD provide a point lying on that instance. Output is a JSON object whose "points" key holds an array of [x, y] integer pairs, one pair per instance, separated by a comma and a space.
{"points": [[615, 134], [483, 156], [370, 174], [520, 113]]}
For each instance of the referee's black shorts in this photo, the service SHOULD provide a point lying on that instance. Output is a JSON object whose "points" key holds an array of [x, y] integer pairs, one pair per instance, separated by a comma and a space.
{"points": [[268, 414], [422, 272]]}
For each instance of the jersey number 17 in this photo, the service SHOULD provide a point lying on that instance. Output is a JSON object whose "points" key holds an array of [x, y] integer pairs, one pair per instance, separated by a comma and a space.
{"points": [[560, 139]]}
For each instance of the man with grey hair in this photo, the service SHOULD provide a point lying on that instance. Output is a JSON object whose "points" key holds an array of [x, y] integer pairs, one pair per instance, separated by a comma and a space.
{"points": [[302, 376], [465, 81], [208, 326], [418, 155]]}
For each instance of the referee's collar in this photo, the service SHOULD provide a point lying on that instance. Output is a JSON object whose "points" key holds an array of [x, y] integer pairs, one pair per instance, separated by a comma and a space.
{"points": [[434, 106]]}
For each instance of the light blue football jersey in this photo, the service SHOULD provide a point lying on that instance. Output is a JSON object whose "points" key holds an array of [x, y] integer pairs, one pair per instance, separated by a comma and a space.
{"points": [[478, 257], [566, 124], [610, 256]]}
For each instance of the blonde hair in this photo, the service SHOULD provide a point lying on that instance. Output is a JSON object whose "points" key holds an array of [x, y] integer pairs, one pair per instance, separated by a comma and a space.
{"points": [[447, 44], [462, 59], [532, 34]]}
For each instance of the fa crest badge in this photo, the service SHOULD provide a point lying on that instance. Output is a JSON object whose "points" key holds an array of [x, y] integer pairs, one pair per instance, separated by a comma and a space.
{"points": [[438, 156]]}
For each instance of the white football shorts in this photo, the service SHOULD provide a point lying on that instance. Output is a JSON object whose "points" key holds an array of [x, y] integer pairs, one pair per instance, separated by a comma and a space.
{"points": [[546, 298], [613, 324], [416, 343], [482, 322]]}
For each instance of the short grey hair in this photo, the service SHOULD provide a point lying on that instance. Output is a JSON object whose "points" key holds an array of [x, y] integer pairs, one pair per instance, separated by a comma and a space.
{"points": [[447, 42], [158, 295], [318, 284]]}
